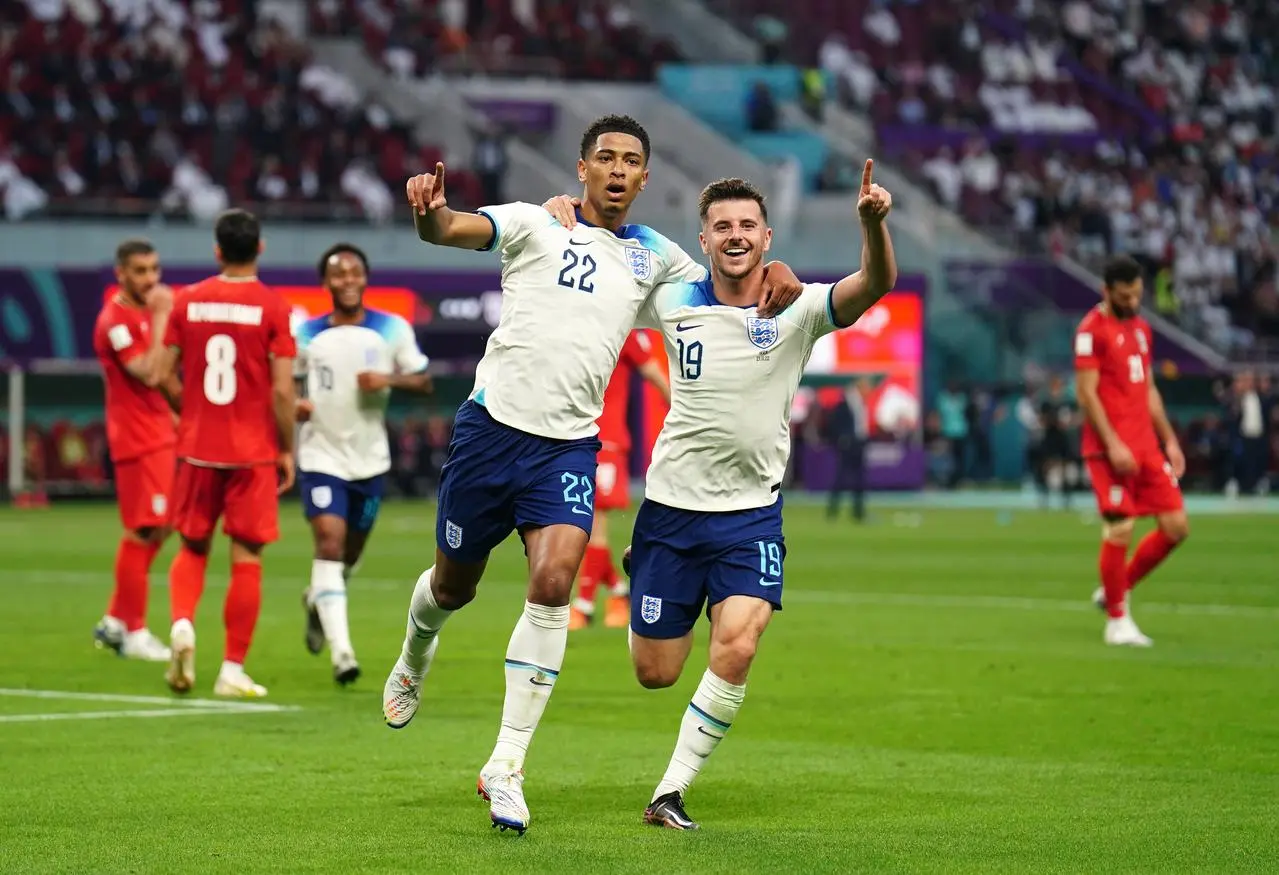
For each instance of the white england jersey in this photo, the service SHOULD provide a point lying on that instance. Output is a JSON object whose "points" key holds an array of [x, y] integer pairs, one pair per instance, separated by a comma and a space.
{"points": [[726, 439], [346, 434], [569, 299]]}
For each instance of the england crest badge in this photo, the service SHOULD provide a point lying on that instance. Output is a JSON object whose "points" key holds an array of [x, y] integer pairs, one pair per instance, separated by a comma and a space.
{"points": [[639, 260], [452, 534], [650, 609], [762, 332]]}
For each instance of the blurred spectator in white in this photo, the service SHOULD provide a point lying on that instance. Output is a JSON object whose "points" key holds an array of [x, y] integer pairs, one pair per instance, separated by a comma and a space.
{"points": [[851, 71], [72, 182], [946, 177], [880, 23], [22, 197], [362, 185]]}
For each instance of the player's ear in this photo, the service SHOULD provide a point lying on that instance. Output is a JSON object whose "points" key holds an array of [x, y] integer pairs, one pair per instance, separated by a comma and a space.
{"points": [[217, 253], [701, 238], [644, 179], [261, 247], [768, 238], [581, 170]]}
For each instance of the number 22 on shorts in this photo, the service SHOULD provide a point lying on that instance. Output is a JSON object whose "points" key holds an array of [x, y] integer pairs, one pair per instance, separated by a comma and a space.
{"points": [[579, 492]]}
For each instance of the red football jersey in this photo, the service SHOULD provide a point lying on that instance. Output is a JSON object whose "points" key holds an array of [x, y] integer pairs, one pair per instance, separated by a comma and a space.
{"points": [[1119, 350], [227, 331], [139, 420], [614, 433]]}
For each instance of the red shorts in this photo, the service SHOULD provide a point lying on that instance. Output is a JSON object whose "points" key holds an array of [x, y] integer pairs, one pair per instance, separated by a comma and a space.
{"points": [[612, 481], [143, 486], [246, 498], [1151, 490]]}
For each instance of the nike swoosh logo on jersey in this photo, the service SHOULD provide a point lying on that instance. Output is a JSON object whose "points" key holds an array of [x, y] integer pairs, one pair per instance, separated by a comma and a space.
{"points": [[583, 511], [763, 582], [580, 242], [682, 327]]}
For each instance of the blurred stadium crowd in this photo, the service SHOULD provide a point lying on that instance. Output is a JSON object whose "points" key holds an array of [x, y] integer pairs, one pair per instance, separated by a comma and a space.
{"points": [[1069, 129]]}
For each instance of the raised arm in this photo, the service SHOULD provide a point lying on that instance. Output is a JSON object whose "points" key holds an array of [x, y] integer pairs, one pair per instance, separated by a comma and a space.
{"points": [[149, 367], [438, 224], [855, 294]]}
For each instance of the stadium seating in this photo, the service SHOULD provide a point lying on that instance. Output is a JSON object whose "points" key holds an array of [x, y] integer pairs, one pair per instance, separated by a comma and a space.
{"points": [[574, 39], [111, 108], [1078, 129]]}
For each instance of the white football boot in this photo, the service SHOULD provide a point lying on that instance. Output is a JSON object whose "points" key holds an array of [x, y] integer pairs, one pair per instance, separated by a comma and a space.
{"points": [[234, 683], [503, 788], [109, 634], [402, 692], [181, 673], [142, 644], [1123, 632]]}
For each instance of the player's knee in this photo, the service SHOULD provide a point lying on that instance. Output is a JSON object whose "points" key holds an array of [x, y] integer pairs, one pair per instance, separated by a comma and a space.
{"points": [[329, 546], [198, 546], [731, 658], [653, 675], [551, 582], [1176, 528], [1118, 531]]}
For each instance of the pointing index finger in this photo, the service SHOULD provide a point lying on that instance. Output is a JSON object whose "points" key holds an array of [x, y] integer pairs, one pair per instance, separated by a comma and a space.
{"points": [[866, 175]]}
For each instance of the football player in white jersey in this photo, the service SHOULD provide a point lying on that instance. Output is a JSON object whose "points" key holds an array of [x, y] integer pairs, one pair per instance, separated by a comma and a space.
{"points": [[348, 362], [709, 532], [522, 455]]}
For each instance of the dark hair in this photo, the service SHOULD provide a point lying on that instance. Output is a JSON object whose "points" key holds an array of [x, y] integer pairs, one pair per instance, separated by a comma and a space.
{"points": [[338, 249], [131, 247], [730, 190], [239, 236], [1120, 269], [615, 124]]}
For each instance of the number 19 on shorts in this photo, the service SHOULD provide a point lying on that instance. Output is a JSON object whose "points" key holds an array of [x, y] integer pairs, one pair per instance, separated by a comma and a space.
{"points": [[219, 369]]}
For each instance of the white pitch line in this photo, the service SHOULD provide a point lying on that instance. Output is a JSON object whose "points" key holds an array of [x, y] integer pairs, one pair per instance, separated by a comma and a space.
{"points": [[222, 704], [154, 712], [173, 707]]}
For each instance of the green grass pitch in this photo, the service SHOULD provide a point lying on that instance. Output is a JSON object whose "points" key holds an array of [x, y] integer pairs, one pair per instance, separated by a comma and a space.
{"points": [[933, 699]]}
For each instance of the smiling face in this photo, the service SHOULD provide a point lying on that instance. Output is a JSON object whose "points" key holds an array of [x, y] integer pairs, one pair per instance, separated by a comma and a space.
{"points": [[735, 235], [614, 171], [345, 278]]}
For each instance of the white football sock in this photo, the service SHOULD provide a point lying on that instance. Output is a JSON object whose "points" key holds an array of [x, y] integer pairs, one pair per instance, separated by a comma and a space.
{"points": [[706, 719], [533, 660], [426, 618], [328, 595]]}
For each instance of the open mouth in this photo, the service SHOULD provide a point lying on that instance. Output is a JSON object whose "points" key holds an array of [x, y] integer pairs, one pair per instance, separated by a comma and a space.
{"points": [[616, 189], [736, 251]]}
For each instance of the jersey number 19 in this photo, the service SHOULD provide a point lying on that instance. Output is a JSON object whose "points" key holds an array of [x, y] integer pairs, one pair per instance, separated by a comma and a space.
{"points": [[219, 370]]}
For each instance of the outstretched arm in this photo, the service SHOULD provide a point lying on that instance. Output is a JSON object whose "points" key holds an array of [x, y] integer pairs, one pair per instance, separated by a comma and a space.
{"points": [[436, 223], [855, 294]]}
